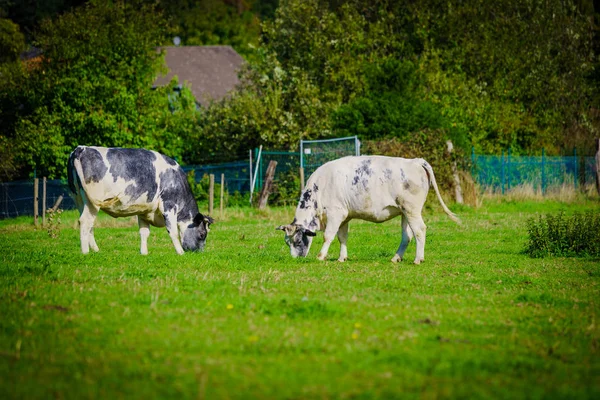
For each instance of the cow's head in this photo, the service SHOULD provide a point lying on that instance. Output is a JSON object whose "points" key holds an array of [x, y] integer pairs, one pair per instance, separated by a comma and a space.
{"points": [[298, 238], [194, 237]]}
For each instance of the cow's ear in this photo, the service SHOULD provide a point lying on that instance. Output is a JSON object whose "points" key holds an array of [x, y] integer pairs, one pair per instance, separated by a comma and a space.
{"points": [[198, 219], [288, 229]]}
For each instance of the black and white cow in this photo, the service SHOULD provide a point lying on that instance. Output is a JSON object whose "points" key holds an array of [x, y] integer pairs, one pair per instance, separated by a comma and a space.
{"points": [[126, 182], [371, 188]]}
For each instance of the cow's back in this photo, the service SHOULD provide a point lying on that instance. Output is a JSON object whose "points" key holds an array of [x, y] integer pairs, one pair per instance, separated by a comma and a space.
{"points": [[120, 181], [367, 185]]}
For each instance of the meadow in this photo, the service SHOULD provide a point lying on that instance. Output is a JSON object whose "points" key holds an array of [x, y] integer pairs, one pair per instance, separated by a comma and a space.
{"points": [[243, 320]]}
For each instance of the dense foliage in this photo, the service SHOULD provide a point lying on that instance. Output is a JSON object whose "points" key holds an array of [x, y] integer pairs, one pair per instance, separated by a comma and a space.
{"points": [[93, 85], [486, 74], [492, 75]]}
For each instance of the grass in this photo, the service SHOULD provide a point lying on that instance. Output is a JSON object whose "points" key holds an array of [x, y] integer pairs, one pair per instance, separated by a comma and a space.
{"points": [[243, 320]]}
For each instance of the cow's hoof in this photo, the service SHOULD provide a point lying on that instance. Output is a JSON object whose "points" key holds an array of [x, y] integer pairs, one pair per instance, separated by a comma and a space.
{"points": [[342, 259], [418, 261], [321, 257], [396, 259]]}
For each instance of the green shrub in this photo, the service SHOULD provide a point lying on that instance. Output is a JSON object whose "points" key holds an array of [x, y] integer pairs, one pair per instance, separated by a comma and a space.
{"points": [[566, 236]]}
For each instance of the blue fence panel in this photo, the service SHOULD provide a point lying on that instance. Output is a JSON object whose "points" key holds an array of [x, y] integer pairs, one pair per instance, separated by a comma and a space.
{"points": [[501, 173], [237, 174], [16, 198]]}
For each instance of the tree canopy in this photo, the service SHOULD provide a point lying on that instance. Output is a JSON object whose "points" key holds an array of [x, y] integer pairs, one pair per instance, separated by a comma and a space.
{"points": [[490, 75]]}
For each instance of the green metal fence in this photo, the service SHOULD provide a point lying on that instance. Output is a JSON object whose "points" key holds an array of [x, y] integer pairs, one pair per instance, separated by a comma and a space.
{"points": [[501, 173]]}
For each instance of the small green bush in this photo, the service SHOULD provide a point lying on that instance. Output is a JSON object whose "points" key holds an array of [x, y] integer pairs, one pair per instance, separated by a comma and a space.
{"points": [[566, 236]]}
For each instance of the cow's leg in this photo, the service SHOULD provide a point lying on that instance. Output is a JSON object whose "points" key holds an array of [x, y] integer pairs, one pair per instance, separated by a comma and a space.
{"points": [[171, 225], [407, 235], [86, 228], [93, 244], [415, 221], [333, 225], [144, 234], [343, 238]]}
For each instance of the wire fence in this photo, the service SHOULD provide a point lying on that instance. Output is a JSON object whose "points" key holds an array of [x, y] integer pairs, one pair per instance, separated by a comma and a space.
{"points": [[543, 173], [497, 173]]}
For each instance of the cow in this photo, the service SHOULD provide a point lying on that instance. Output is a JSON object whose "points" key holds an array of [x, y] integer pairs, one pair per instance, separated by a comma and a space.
{"points": [[125, 182], [371, 188]]}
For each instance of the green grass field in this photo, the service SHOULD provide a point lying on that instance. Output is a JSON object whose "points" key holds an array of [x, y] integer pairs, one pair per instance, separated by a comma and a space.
{"points": [[243, 320]]}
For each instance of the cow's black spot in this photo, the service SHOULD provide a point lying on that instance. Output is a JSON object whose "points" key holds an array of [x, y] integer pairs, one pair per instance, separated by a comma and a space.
{"points": [[402, 175], [135, 165], [315, 188], [362, 173], [313, 223], [406, 185], [175, 192], [305, 199], [92, 165], [387, 174], [365, 168], [169, 160]]}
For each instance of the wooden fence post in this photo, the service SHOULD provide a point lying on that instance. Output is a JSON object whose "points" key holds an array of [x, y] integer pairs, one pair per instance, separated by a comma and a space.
{"points": [[456, 179], [57, 203], [44, 202], [222, 194], [301, 179], [264, 196], [36, 192], [211, 193], [598, 165]]}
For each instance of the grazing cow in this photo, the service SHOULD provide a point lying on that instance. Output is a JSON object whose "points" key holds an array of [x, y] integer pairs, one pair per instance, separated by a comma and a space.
{"points": [[371, 188], [126, 182]]}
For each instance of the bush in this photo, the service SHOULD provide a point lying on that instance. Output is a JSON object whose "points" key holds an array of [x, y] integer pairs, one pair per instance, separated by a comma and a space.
{"points": [[563, 236]]}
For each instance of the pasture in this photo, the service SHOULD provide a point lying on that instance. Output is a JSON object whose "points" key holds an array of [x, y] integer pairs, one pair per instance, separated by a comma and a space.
{"points": [[243, 320]]}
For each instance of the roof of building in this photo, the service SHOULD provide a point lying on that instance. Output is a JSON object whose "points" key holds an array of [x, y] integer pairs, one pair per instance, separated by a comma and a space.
{"points": [[210, 71]]}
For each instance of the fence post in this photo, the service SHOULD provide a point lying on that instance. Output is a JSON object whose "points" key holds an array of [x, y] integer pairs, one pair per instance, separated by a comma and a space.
{"points": [[473, 161], [44, 202], [543, 171], [301, 179], [211, 193], [457, 189], [57, 203], [576, 166], [502, 174], [508, 171], [253, 183], [598, 165], [36, 191], [250, 151], [222, 195], [264, 196]]}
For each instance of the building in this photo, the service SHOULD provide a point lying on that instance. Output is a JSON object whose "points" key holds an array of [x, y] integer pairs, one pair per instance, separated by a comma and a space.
{"points": [[210, 71]]}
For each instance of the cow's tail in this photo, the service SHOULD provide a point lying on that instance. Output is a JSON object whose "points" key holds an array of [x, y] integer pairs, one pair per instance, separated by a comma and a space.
{"points": [[74, 171], [429, 171]]}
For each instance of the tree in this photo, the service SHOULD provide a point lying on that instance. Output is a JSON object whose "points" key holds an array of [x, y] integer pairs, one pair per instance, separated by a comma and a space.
{"points": [[94, 87]]}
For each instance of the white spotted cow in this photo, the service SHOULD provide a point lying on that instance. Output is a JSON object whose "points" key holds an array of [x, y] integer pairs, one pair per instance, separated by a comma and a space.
{"points": [[126, 182], [371, 188]]}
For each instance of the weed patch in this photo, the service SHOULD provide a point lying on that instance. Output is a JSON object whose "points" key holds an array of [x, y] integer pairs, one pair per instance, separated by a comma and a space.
{"points": [[564, 236]]}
